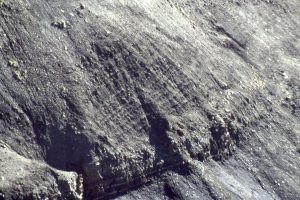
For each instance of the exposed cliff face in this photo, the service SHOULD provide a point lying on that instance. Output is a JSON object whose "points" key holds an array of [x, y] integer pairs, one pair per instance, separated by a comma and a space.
{"points": [[149, 99]]}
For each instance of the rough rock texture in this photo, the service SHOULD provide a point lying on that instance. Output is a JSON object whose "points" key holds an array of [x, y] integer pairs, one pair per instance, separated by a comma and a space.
{"points": [[150, 99]]}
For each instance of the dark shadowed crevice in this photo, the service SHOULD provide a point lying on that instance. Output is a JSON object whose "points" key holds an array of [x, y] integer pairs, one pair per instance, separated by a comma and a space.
{"points": [[159, 125], [170, 192]]}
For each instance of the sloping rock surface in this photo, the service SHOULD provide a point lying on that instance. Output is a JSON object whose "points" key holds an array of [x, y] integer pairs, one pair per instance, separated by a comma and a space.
{"points": [[152, 99]]}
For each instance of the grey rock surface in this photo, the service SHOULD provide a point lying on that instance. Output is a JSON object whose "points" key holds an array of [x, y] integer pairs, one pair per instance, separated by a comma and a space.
{"points": [[120, 99]]}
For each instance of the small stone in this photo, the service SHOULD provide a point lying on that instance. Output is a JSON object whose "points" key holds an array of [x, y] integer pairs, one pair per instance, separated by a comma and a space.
{"points": [[61, 24], [161, 162], [13, 63], [82, 6], [180, 132]]}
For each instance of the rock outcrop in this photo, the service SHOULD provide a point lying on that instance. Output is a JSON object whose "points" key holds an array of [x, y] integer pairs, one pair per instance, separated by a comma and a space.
{"points": [[149, 99]]}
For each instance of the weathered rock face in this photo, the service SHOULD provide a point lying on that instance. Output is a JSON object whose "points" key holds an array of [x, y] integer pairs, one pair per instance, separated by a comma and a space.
{"points": [[150, 99]]}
